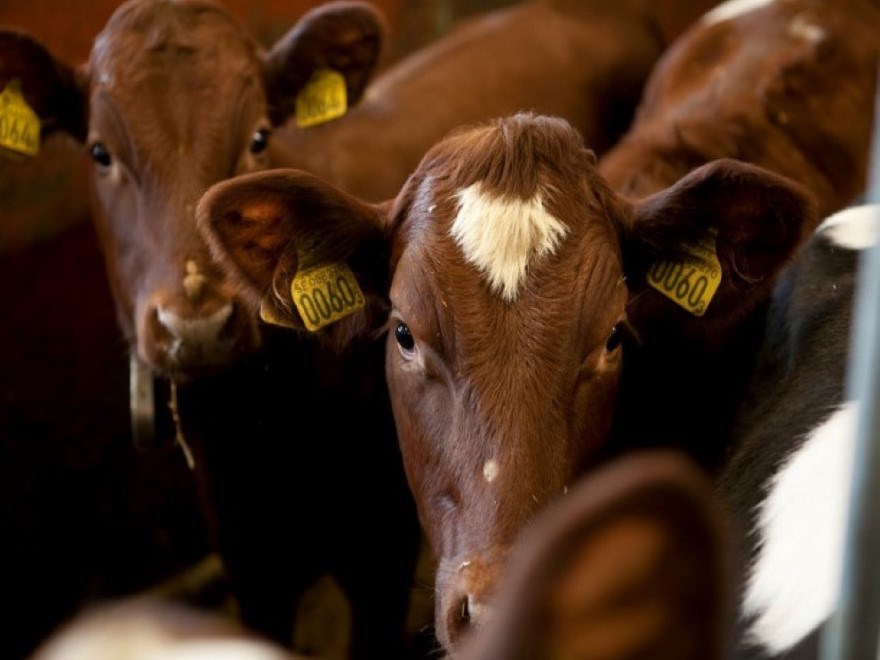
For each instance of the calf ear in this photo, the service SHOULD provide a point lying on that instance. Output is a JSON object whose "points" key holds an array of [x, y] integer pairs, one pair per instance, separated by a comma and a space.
{"points": [[631, 563], [51, 88], [756, 220], [266, 227], [342, 36]]}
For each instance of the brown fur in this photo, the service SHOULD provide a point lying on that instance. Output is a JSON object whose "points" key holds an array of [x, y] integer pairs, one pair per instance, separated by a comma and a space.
{"points": [[757, 89], [529, 384], [584, 60]]}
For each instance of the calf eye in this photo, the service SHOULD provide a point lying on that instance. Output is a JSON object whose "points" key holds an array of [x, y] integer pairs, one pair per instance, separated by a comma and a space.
{"points": [[100, 155], [404, 336], [259, 141], [615, 338]]}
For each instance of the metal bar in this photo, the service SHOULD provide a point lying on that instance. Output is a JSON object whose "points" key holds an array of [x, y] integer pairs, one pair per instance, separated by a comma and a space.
{"points": [[852, 633]]}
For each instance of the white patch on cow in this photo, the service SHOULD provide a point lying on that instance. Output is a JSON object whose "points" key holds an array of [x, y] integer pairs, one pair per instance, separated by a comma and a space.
{"points": [[500, 235], [732, 9], [802, 29], [490, 470], [142, 639], [794, 582], [854, 228]]}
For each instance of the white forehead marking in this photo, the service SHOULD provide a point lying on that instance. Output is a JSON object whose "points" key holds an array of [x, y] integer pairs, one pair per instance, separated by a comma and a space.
{"points": [[500, 235], [490, 470], [854, 228], [732, 9], [793, 586]]}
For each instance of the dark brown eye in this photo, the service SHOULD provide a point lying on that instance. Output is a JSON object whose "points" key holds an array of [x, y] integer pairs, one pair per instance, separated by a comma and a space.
{"points": [[404, 336], [100, 155], [615, 338], [259, 141]]}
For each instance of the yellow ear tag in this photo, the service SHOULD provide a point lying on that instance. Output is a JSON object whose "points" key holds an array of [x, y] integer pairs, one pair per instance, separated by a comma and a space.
{"points": [[19, 125], [322, 99], [691, 281], [326, 294]]}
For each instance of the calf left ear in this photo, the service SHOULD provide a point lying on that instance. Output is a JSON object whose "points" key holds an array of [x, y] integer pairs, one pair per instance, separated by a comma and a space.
{"points": [[345, 37], [754, 220], [265, 228]]}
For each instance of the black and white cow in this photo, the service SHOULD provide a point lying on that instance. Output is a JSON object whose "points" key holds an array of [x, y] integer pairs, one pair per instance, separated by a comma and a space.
{"points": [[787, 478]]}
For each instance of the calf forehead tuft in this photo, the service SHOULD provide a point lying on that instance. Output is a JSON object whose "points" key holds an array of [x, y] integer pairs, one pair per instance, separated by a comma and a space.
{"points": [[501, 234]]}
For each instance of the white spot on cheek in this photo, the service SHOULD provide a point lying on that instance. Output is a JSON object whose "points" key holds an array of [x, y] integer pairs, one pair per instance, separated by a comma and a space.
{"points": [[732, 9], [854, 228], [501, 234], [801, 29], [490, 470]]}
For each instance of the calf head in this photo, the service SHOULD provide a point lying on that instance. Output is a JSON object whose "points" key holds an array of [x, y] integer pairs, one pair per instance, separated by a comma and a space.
{"points": [[507, 274], [176, 97]]}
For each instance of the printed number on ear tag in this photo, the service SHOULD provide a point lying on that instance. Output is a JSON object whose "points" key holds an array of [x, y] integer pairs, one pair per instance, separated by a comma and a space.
{"points": [[326, 294], [322, 99], [19, 125], [690, 281]]}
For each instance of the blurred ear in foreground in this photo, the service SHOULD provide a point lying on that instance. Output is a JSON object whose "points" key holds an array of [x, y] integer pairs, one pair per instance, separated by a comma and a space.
{"points": [[631, 563]]}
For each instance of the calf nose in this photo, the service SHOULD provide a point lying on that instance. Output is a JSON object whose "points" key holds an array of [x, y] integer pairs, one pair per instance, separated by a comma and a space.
{"points": [[175, 339], [463, 605], [196, 330]]}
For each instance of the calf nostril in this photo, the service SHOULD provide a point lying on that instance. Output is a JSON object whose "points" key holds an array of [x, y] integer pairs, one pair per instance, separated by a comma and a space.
{"points": [[459, 620]]}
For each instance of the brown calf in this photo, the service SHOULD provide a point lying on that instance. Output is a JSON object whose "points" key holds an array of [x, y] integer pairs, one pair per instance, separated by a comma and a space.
{"points": [[176, 97], [785, 85], [515, 272]]}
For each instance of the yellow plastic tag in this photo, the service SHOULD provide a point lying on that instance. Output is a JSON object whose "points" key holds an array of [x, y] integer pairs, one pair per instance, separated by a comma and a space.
{"points": [[322, 99], [325, 294], [19, 125], [692, 281]]}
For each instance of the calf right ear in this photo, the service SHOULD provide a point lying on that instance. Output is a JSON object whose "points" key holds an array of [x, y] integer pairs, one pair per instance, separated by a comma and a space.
{"points": [[265, 228], [343, 36], [631, 563], [51, 88]]}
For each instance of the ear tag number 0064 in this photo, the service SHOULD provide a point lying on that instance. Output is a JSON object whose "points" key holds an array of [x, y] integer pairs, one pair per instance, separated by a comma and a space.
{"points": [[19, 125], [325, 294], [322, 99], [690, 281]]}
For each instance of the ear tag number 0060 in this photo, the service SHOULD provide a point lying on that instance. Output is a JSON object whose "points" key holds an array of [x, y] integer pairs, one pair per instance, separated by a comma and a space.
{"points": [[323, 99], [19, 125], [326, 294], [690, 281]]}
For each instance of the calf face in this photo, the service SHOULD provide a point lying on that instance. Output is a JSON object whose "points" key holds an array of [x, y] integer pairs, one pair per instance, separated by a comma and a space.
{"points": [[176, 97], [514, 272]]}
